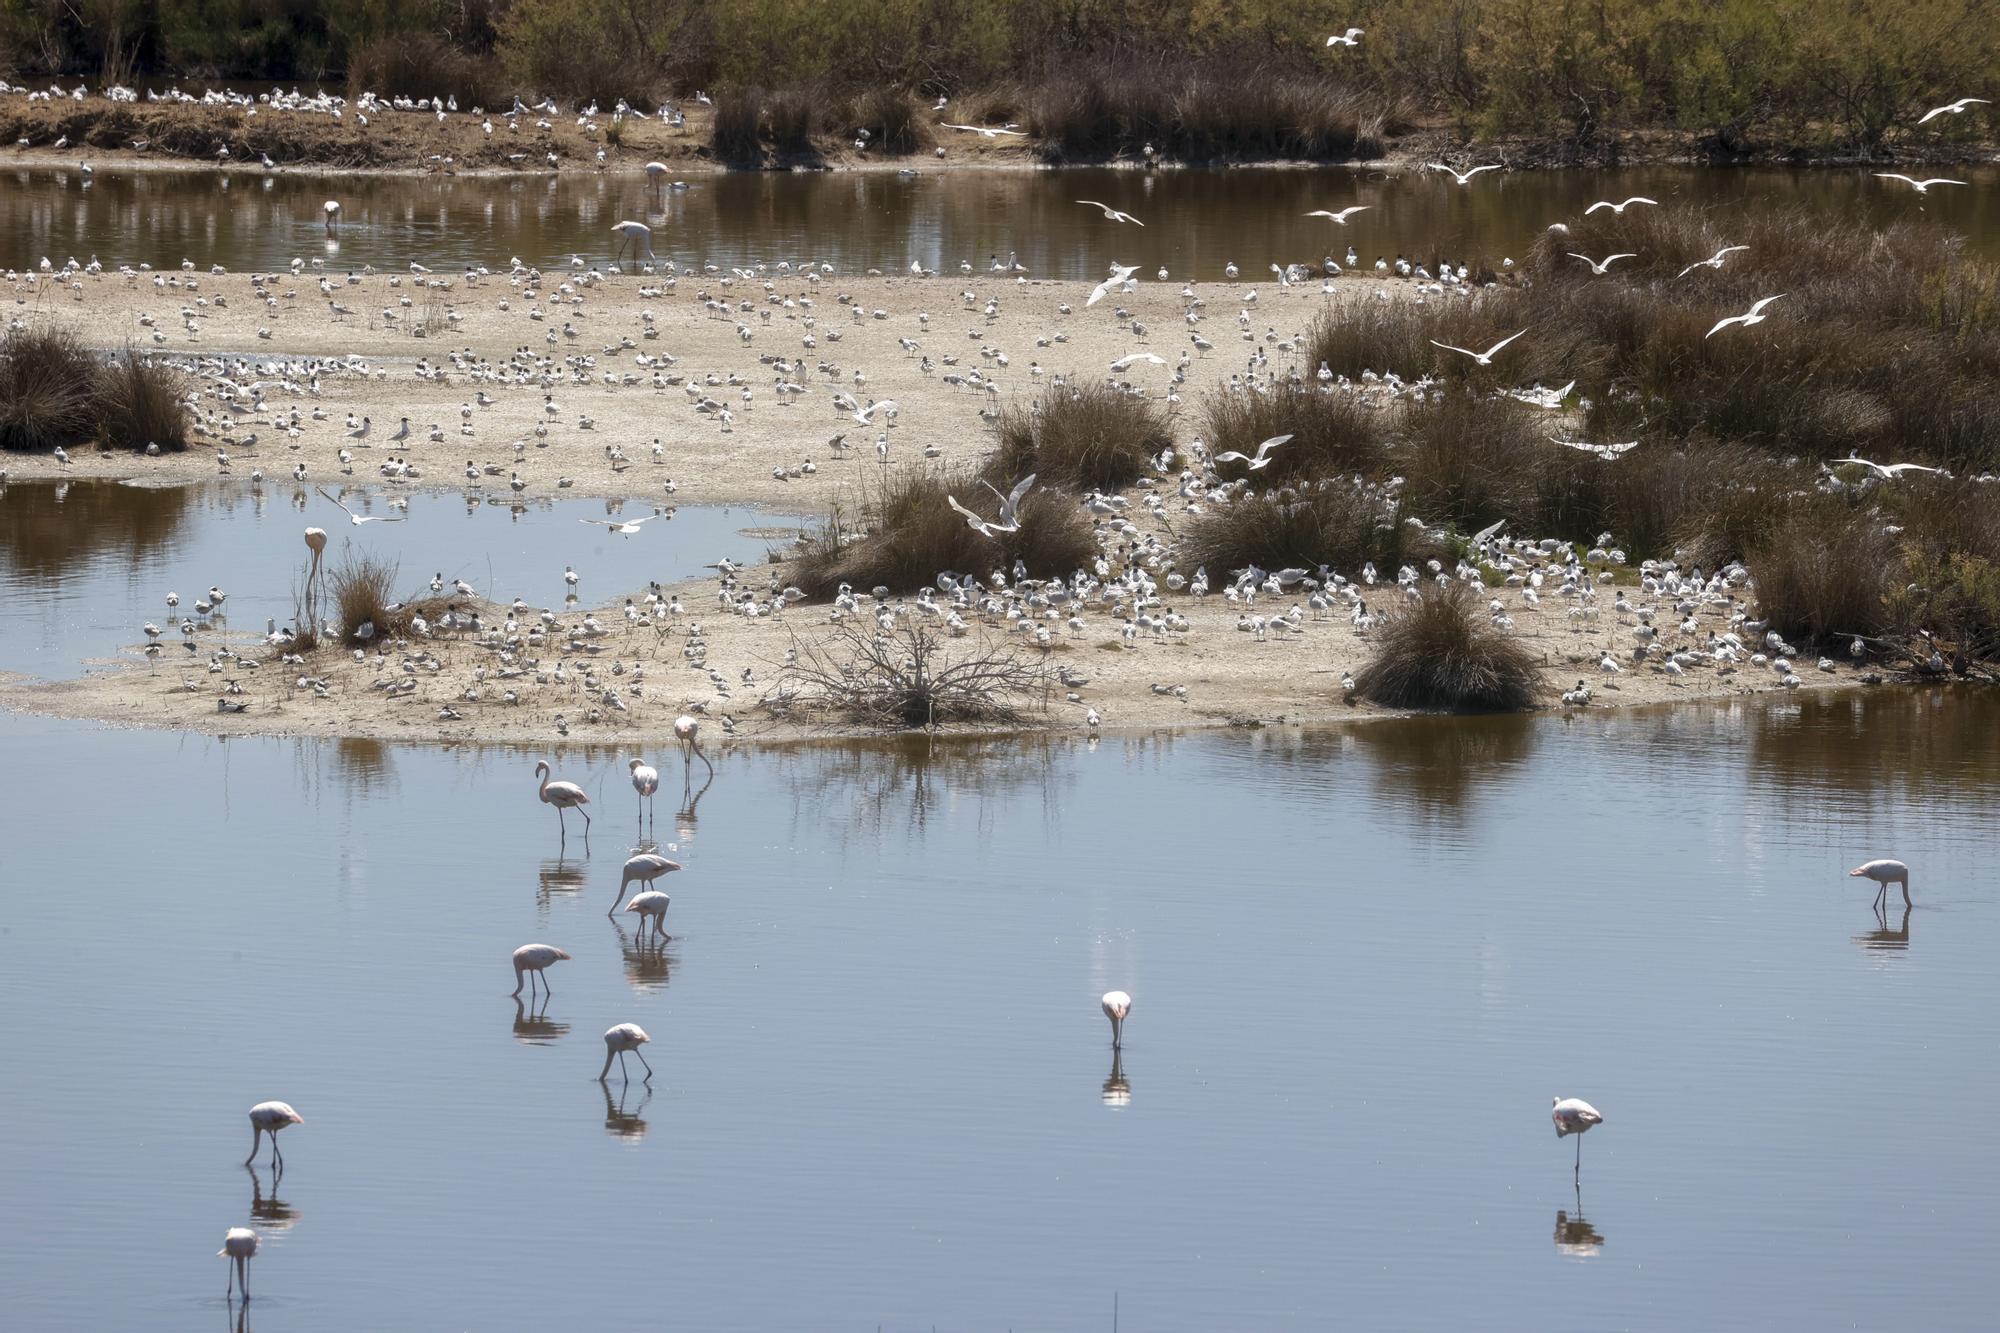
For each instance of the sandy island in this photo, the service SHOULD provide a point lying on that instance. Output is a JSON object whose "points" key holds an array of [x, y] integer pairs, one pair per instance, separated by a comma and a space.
{"points": [[1013, 331]]}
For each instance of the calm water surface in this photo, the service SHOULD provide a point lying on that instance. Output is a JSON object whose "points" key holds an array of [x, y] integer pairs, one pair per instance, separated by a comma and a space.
{"points": [[1362, 961], [85, 564], [1196, 221]]}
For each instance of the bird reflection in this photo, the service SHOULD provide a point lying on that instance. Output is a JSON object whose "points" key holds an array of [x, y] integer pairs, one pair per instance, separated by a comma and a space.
{"points": [[686, 819], [534, 1026], [1575, 1235], [268, 1210], [558, 876], [1882, 938], [619, 1122], [648, 965], [240, 1310], [1117, 1088]]}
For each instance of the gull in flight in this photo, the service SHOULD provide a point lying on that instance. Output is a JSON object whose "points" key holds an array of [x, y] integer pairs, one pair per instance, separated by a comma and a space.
{"points": [[1342, 216], [986, 131], [1620, 208], [1713, 261], [1756, 316], [1462, 177], [1596, 267], [1352, 37], [1888, 471], [1124, 361], [1954, 108], [1113, 213], [1010, 509], [357, 519], [1120, 273], [866, 416], [1921, 187], [1605, 451], [624, 527], [1484, 358], [1263, 458]]}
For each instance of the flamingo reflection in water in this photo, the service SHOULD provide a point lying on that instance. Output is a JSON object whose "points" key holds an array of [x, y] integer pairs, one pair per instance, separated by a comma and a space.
{"points": [[620, 1122], [1884, 938], [532, 1024], [1575, 1236], [1117, 1088]]}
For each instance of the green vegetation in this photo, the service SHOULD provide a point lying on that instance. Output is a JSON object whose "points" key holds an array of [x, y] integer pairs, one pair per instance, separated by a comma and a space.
{"points": [[1198, 78]]}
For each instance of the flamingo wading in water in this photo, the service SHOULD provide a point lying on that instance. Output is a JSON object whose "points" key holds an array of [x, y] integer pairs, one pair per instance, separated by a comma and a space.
{"points": [[687, 730], [531, 961], [269, 1118], [1885, 872], [563, 796], [651, 907], [239, 1246], [1573, 1115], [1117, 1004], [645, 781], [643, 868], [625, 1037]]}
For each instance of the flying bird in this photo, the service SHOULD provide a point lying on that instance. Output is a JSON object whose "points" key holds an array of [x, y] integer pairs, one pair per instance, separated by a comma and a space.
{"points": [[1484, 358], [357, 519], [1921, 187], [624, 527], [1462, 177], [986, 131], [1596, 267], [1352, 37], [1605, 451], [1113, 213], [1261, 460], [1120, 273], [1343, 215], [1888, 472], [1713, 261], [1952, 108], [1010, 509], [1620, 208], [1756, 316], [1124, 362]]}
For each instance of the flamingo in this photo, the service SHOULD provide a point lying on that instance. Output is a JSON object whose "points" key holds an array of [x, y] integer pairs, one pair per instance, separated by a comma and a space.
{"points": [[1885, 872], [618, 1040], [563, 796], [531, 961], [645, 781], [687, 730], [643, 868], [651, 907], [635, 234], [1573, 1115], [332, 210], [1117, 1004], [239, 1244], [269, 1118]]}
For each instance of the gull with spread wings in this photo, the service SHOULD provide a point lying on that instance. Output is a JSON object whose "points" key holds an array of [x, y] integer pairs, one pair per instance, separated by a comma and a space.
{"points": [[1010, 509]]}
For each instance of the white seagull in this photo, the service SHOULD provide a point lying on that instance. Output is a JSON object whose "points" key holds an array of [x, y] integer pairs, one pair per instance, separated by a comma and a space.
{"points": [[1112, 213], [357, 519], [1120, 273], [1263, 457], [1124, 362], [1352, 37], [1888, 472], [1713, 261], [624, 527], [1343, 215], [1010, 509], [1921, 187], [1756, 316], [1484, 358], [1620, 208], [1953, 108], [1606, 451], [986, 131], [1462, 177], [1596, 267]]}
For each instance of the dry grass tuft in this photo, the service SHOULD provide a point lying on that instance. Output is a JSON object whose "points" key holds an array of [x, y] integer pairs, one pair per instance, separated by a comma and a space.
{"points": [[47, 391], [1089, 436], [1333, 434], [1335, 523], [1443, 654], [902, 678]]}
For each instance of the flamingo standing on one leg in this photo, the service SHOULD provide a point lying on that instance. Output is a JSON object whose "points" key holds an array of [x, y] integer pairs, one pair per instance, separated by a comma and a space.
{"points": [[530, 961], [641, 869], [1117, 1004], [240, 1245], [625, 1037], [563, 796], [687, 730], [652, 909], [269, 1118], [645, 781], [1885, 872], [1573, 1115]]}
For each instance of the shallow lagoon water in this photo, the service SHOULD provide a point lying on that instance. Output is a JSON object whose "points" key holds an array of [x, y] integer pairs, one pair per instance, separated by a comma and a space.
{"points": [[1197, 221], [1362, 962]]}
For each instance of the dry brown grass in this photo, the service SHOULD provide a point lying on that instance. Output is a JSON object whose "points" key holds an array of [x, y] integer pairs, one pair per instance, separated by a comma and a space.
{"points": [[1333, 434], [1088, 436], [1442, 653]]}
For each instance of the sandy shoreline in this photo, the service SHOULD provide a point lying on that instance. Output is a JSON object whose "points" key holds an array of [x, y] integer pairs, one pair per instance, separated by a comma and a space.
{"points": [[1217, 673]]}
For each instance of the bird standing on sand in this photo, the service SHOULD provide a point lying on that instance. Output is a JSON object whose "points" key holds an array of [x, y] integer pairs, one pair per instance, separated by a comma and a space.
{"points": [[563, 796], [239, 1245], [1575, 1116], [625, 1037], [1116, 1004], [269, 1118], [530, 961], [1885, 871]]}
